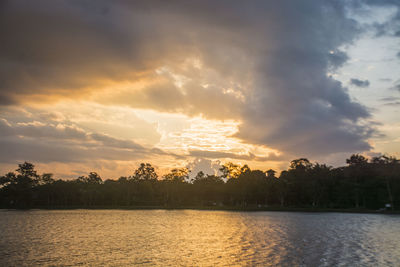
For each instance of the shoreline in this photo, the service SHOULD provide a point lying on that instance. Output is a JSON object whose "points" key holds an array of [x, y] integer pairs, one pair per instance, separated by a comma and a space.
{"points": [[212, 208]]}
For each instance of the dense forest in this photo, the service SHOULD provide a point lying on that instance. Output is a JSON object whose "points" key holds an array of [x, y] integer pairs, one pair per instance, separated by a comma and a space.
{"points": [[362, 184]]}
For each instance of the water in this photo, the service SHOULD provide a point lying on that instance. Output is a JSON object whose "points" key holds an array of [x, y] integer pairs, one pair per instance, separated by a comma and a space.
{"points": [[197, 238]]}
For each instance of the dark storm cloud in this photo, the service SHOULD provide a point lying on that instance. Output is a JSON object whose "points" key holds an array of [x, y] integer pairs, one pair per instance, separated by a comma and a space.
{"points": [[337, 58], [296, 106], [276, 54], [62, 47], [359, 83]]}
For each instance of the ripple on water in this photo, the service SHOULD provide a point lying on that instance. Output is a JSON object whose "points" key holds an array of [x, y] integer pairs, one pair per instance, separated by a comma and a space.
{"points": [[206, 238]]}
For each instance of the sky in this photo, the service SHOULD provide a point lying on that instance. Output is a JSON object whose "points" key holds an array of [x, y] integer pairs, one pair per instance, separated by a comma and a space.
{"points": [[105, 85]]}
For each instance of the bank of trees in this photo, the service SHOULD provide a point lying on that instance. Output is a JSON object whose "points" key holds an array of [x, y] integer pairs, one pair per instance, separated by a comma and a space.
{"points": [[369, 184]]}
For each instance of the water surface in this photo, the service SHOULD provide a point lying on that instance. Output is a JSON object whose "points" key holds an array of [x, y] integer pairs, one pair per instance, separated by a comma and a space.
{"points": [[189, 237]]}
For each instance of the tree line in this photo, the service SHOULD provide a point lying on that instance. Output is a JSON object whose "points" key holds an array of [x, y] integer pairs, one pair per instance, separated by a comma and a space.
{"points": [[361, 184]]}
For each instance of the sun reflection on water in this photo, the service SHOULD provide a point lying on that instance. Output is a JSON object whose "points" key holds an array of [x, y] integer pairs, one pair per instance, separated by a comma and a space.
{"points": [[196, 238]]}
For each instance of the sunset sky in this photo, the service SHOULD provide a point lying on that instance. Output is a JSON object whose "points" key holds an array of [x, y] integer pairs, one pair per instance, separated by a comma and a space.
{"points": [[104, 85]]}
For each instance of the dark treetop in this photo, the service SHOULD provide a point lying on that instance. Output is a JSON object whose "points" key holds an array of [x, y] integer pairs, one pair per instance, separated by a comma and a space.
{"points": [[362, 184]]}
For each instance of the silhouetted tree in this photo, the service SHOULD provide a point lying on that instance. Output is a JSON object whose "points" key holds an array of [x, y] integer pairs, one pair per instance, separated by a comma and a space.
{"points": [[174, 184], [179, 175], [300, 164], [94, 178], [145, 172], [270, 173], [230, 170], [362, 183], [46, 178], [357, 171], [21, 185], [387, 168]]}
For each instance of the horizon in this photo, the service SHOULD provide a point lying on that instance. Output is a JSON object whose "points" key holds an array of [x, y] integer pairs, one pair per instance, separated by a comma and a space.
{"points": [[190, 172], [103, 86]]}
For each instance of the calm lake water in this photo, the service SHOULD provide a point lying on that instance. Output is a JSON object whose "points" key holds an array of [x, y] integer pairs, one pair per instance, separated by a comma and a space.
{"points": [[199, 238]]}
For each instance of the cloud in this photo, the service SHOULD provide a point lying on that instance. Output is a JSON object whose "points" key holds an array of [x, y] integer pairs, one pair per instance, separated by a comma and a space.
{"points": [[394, 104], [205, 165], [191, 99], [393, 101], [264, 64], [39, 142], [391, 26], [66, 47], [337, 58], [396, 86], [390, 99], [359, 83], [220, 154], [296, 106]]}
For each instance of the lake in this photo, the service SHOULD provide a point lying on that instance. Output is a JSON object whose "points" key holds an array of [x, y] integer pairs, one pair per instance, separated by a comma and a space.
{"points": [[190, 237]]}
